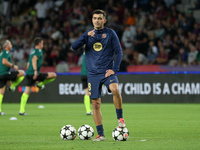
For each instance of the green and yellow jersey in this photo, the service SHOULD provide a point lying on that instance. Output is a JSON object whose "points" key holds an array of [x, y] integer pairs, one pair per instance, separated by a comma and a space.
{"points": [[39, 54], [4, 69]]}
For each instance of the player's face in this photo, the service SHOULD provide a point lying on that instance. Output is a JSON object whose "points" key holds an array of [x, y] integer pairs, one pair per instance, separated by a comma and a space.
{"points": [[41, 44], [98, 21]]}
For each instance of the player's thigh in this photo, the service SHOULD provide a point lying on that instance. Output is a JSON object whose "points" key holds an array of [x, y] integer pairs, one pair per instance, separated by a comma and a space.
{"points": [[2, 82], [114, 88], [12, 75], [51, 75], [29, 80], [41, 77], [94, 87], [21, 73], [109, 83]]}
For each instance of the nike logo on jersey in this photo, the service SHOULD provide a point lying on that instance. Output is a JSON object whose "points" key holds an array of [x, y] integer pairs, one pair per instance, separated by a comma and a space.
{"points": [[112, 80]]}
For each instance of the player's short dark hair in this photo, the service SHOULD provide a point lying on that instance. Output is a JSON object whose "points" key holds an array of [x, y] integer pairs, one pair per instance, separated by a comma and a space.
{"points": [[99, 11], [37, 40]]}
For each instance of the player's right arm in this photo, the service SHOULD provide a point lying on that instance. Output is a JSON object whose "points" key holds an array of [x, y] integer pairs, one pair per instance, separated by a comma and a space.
{"points": [[80, 42], [34, 63]]}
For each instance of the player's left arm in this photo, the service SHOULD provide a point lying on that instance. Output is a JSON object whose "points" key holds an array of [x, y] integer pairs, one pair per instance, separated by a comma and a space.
{"points": [[118, 52], [8, 64], [118, 55]]}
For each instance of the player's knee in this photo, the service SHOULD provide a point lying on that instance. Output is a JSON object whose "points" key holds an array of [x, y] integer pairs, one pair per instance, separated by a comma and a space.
{"points": [[115, 91], [21, 72], [96, 104], [54, 75]]}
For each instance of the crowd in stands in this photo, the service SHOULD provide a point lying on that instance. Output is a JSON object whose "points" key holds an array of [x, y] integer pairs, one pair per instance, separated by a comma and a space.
{"points": [[150, 31]]}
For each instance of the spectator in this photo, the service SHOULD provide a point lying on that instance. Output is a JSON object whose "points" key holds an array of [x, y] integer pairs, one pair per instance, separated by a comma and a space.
{"points": [[192, 55], [182, 57], [162, 58], [139, 58], [152, 52], [41, 8], [127, 37], [141, 41], [18, 57]]}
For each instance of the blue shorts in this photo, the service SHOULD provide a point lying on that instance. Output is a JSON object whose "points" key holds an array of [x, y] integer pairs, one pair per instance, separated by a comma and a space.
{"points": [[95, 84]]}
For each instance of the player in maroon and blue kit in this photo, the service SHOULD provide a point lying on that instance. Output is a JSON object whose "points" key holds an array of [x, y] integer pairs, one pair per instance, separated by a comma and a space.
{"points": [[102, 45]]}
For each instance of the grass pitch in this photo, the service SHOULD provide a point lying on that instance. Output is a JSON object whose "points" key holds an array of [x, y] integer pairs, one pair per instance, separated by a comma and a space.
{"points": [[151, 127]]}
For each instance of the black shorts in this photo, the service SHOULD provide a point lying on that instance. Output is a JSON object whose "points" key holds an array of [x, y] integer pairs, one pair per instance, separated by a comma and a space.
{"points": [[12, 76], [84, 81], [29, 79]]}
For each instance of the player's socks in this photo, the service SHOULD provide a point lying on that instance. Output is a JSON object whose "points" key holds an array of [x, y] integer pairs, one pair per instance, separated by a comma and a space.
{"points": [[100, 130], [119, 113], [1, 99], [24, 99], [16, 82], [46, 81], [87, 103]]}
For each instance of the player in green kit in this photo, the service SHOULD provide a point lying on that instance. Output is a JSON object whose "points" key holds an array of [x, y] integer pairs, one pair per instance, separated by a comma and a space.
{"points": [[14, 77], [33, 74], [85, 87]]}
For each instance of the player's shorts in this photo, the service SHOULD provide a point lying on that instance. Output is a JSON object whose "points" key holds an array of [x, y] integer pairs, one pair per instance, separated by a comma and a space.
{"points": [[84, 81], [95, 84], [29, 79], [12, 76]]}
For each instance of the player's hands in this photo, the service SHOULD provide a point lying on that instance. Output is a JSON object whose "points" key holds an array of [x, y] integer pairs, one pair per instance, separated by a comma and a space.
{"points": [[91, 33], [15, 67], [35, 75], [109, 73]]}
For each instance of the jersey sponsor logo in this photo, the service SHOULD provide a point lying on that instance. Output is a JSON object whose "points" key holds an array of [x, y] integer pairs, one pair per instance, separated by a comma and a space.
{"points": [[97, 46], [104, 35]]}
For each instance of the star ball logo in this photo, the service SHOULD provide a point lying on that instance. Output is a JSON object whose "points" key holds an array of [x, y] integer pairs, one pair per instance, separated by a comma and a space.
{"points": [[33, 89]]}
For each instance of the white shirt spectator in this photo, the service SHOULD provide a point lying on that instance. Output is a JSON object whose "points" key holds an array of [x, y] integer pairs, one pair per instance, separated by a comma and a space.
{"points": [[127, 38], [18, 55], [41, 9]]}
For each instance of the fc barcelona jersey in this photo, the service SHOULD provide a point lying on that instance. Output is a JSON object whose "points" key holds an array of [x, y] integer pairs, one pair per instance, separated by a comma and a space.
{"points": [[100, 51]]}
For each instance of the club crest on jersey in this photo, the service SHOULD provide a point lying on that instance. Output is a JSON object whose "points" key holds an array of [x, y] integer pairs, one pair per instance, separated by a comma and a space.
{"points": [[104, 35]]}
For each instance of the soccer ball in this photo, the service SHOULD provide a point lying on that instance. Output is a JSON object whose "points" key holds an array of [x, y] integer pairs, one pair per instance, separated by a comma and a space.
{"points": [[120, 134], [85, 132], [68, 132]]}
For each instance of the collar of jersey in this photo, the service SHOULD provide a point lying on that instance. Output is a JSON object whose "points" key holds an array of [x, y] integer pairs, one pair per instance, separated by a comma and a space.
{"points": [[100, 31]]}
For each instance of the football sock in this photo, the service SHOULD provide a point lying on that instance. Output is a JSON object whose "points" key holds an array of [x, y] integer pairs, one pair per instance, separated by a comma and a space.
{"points": [[119, 113], [100, 130], [46, 81], [24, 99], [1, 99], [87, 103], [17, 81]]}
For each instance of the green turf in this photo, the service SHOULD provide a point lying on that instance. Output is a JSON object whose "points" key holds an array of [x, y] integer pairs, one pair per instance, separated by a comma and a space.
{"points": [[163, 126]]}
